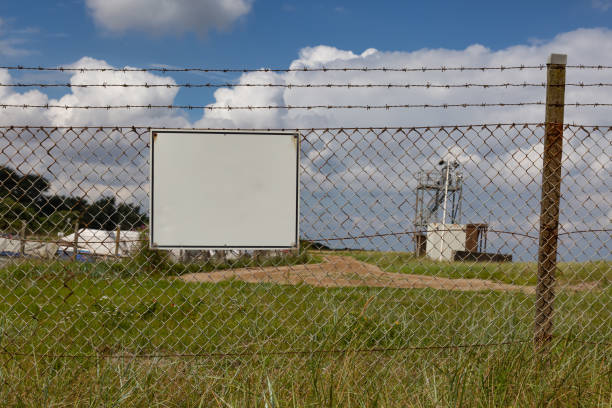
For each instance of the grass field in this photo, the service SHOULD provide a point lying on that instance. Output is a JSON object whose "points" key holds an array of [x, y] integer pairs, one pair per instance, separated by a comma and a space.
{"points": [[519, 273], [278, 345]]}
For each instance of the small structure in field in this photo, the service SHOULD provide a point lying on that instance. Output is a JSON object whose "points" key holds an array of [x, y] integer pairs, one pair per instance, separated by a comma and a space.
{"points": [[460, 242], [441, 191], [103, 243], [438, 190], [15, 246]]}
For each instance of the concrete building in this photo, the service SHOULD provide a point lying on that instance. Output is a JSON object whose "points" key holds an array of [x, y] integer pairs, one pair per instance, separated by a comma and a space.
{"points": [[460, 242], [443, 240]]}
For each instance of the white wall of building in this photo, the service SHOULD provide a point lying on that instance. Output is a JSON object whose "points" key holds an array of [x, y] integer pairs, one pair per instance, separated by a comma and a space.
{"points": [[444, 239]]}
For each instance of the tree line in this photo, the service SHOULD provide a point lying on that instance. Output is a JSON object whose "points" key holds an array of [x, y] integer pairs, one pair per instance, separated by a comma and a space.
{"points": [[26, 198]]}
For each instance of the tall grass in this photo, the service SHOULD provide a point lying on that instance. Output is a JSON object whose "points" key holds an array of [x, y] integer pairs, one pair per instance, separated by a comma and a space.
{"points": [[504, 376], [262, 345]]}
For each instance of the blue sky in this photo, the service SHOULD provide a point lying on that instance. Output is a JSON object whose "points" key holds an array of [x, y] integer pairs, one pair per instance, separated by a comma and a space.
{"points": [[272, 32]]}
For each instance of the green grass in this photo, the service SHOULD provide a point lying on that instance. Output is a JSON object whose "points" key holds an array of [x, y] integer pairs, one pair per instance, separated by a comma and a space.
{"points": [[499, 377], [519, 273], [88, 310]]}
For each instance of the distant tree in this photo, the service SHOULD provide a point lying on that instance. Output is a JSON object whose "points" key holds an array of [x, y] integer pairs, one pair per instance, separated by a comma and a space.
{"points": [[131, 216], [26, 189], [54, 203], [24, 198], [101, 214], [106, 214], [13, 214]]}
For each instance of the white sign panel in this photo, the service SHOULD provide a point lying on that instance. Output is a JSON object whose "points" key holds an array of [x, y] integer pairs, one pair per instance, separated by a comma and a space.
{"points": [[218, 189]]}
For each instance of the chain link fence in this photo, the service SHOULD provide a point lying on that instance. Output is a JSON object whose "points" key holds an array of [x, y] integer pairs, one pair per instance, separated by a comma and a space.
{"points": [[371, 286], [422, 261]]}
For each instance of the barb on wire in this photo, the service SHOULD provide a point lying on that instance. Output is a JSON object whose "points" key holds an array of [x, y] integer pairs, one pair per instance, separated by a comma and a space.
{"points": [[302, 86], [306, 107]]}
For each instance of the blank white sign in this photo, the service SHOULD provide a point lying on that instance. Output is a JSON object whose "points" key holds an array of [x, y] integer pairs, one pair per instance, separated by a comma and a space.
{"points": [[224, 189]]}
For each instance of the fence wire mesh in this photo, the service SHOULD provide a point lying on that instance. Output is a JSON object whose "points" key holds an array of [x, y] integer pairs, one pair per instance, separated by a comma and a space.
{"points": [[369, 287]]}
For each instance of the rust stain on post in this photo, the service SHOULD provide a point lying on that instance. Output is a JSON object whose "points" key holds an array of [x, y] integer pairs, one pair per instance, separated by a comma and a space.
{"points": [[551, 192]]}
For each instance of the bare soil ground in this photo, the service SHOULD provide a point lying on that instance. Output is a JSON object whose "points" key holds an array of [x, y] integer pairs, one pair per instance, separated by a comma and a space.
{"points": [[342, 271]]}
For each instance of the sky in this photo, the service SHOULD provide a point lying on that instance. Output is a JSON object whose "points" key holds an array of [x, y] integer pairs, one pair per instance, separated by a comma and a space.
{"points": [[276, 34], [270, 33], [283, 34]]}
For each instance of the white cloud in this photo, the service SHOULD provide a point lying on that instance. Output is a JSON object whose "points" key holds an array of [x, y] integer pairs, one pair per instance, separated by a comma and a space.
{"points": [[96, 96], [603, 5], [116, 95], [12, 41], [583, 46], [11, 46], [163, 16], [88, 163]]}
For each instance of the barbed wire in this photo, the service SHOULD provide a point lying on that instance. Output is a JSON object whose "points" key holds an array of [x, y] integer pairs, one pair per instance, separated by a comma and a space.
{"points": [[306, 107], [607, 128], [295, 85], [302, 69], [589, 66]]}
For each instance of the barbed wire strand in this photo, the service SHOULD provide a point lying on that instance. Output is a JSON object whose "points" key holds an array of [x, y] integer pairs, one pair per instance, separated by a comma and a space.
{"points": [[306, 107], [303, 86], [302, 69], [148, 128]]}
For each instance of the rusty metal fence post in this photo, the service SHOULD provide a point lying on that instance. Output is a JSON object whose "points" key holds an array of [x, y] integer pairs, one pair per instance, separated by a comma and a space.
{"points": [[551, 192]]}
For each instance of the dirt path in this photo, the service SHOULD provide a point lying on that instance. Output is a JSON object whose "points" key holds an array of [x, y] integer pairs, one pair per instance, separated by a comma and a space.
{"points": [[342, 271]]}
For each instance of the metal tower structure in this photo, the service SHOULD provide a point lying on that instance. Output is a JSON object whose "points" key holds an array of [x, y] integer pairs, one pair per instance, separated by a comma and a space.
{"points": [[439, 189]]}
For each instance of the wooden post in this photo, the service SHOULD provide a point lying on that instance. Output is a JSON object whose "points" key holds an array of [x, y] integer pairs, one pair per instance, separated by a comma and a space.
{"points": [[117, 240], [22, 239], [551, 192], [76, 240]]}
